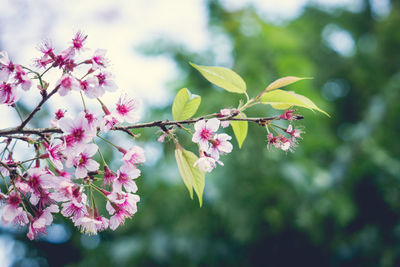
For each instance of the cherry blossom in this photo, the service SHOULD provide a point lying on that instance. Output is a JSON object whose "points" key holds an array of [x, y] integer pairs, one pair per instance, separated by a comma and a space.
{"points": [[205, 164], [6, 66], [125, 176], [135, 155], [220, 145], [99, 60], [105, 83], [39, 224], [54, 151], [205, 130], [67, 83], [83, 161], [78, 41], [8, 93], [10, 209], [76, 131], [126, 110]]}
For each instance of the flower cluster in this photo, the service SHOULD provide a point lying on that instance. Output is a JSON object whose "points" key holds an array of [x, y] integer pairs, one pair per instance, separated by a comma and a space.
{"points": [[282, 142], [12, 77], [211, 144], [68, 168]]}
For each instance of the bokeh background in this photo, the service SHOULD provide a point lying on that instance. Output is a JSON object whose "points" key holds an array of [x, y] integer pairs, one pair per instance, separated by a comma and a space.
{"points": [[334, 202]]}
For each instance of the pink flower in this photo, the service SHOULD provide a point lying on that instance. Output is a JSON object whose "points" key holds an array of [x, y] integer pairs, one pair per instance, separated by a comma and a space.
{"points": [[37, 181], [295, 133], [6, 66], [122, 206], [124, 178], [83, 162], [134, 156], [76, 131], [76, 207], [105, 83], [205, 130], [88, 224], [78, 41], [90, 87], [285, 143], [279, 142], [288, 115], [65, 59], [22, 78], [99, 60], [54, 150], [63, 189], [8, 93], [3, 170], [57, 116], [47, 49], [109, 176], [273, 141], [108, 122], [67, 83], [126, 110], [162, 137], [10, 209], [92, 120], [21, 218], [38, 225], [220, 145]]}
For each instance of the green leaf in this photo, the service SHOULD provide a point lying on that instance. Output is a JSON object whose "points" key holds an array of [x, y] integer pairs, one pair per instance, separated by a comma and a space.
{"points": [[309, 103], [240, 129], [283, 82], [222, 77], [193, 177], [185, 105], [281, 99]]}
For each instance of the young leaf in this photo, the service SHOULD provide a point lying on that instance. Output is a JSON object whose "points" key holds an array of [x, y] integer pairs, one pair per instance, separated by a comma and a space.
{"points": [[309, 103], [222, 77], [192, 177], [281, 99], [240, 129], [185, 105], [283, 82]]}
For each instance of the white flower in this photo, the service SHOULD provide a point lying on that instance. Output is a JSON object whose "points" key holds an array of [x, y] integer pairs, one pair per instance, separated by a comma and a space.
{"points": [[205, 164], [205, 130], [220, 145]]}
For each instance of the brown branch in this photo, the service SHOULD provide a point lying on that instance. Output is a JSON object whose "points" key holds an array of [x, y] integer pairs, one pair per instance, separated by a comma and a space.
{"points": [[38, 107], [161, 124]]}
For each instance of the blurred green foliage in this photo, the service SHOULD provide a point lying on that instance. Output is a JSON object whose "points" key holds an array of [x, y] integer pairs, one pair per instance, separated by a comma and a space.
{"points": [[334, 202]]}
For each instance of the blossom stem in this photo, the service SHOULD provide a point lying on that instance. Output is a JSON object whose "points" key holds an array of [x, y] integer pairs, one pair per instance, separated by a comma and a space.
{"points": [[101, 155], [105, 140], [18, 112], [98, 190], [5, 182], [41, 75], [83, 101]]}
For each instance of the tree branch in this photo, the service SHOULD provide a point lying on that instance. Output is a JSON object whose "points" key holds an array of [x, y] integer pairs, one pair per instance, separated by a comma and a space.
{"points": [[38, 107], [161, 124]]}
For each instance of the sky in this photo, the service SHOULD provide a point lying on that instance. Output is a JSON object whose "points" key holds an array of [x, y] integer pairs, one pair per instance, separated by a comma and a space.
{"points": [[121, 25]]}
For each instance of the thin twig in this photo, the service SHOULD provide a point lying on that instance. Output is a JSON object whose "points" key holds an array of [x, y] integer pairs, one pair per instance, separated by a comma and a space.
{"points": [[38, 107]]}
